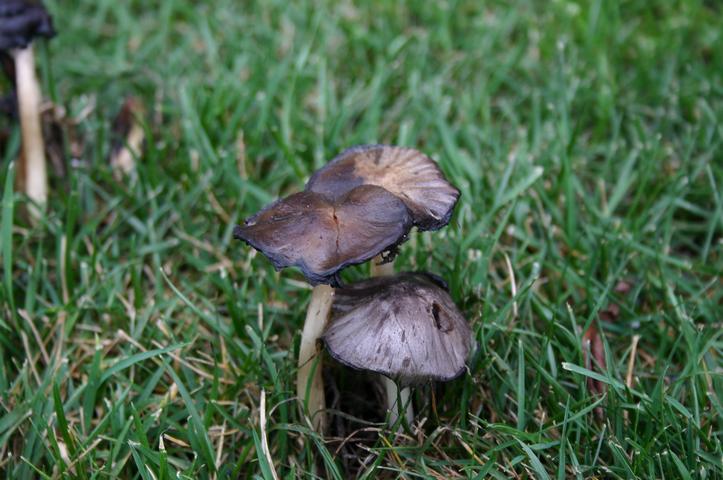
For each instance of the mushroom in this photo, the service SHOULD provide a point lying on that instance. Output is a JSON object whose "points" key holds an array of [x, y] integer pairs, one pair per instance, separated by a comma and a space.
{"points": [[20, 22], [322, 236], [405, 172], [405, 327], [415, 179], [127, 136], [360, 205]]}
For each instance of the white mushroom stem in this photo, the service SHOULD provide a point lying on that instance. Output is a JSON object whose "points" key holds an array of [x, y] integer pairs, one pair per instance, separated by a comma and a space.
{"points": [[379, 269], [33, 171], [398, 401], [309, 382]]}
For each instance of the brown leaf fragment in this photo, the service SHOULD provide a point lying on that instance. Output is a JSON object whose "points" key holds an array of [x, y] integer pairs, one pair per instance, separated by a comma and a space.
{"points": [[623, 287], [594, 354], [610, 313], [592, 343]]}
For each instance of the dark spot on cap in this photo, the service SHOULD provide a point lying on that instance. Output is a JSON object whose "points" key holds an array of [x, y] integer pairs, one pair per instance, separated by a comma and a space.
{"points": [[435, 315], [439, 322]]}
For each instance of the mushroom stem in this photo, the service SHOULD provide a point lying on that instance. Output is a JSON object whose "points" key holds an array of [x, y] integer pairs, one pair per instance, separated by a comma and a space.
{"points": [[309, 382], [33, 175], [379, 269], [398, 401]]}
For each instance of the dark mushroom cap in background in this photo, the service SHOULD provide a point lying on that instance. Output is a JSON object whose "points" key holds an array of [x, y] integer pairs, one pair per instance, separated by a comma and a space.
{"points": [[405, 327], [21, 21], [322, 236], [407, 173]]}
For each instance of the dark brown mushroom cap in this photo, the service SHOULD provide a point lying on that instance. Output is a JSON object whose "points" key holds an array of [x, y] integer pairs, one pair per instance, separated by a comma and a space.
{"points": [[405, 327], [407, 173], [21, 21], [322, 236]]}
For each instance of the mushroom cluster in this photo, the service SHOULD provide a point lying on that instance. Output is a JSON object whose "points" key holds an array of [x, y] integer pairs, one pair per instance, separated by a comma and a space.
{"points": [[362, 205]]}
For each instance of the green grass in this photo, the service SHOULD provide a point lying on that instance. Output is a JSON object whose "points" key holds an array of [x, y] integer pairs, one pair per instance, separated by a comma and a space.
{"points": [[137, 338]]}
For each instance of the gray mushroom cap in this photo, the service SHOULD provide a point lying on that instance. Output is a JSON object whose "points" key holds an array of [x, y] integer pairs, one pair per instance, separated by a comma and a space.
{"points": [[405, 327]]}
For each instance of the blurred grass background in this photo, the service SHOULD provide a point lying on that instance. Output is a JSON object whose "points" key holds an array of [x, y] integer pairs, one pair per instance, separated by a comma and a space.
{"points": [[138, 338]]}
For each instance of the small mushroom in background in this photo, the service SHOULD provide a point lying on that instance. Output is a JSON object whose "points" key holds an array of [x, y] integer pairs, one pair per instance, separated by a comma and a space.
{"points": [[127, 136], [405, 327], [359, 206], [20, 22]]}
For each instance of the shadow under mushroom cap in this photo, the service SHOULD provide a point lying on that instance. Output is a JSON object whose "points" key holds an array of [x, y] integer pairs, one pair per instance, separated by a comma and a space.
{"points": [[407, 173], [405, 327], [322, 236]]}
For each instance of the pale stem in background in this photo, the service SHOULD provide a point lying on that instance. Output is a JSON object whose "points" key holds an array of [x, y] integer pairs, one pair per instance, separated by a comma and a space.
{"points": [[125, 161], [394, 395], [309, 374], [33, 173]]}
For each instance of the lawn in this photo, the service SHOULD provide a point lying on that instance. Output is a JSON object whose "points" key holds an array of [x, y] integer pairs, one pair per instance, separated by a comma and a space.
{"points": [[139, 340]]}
